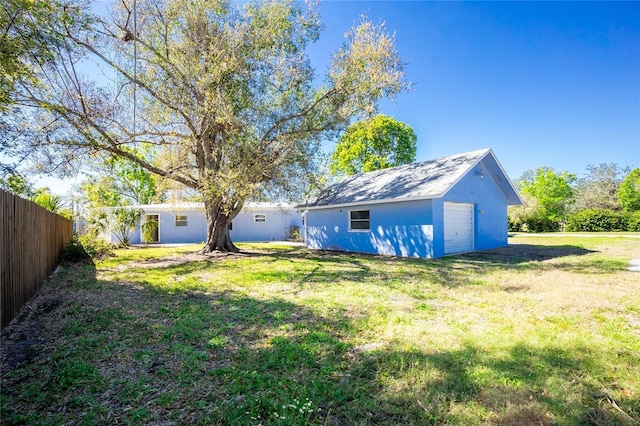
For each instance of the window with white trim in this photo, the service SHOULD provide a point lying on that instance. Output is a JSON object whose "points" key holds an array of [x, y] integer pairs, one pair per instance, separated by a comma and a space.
{"points": [[181, 220], [359, 220], [259, 217]]}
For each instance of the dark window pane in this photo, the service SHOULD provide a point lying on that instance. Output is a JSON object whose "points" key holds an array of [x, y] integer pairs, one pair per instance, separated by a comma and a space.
{"points": [[360, 224], [360, 214]]}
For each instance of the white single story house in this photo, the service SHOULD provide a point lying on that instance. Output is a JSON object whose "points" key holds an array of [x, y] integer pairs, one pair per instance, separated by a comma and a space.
{"points": [[427, 209], [187, 223]]}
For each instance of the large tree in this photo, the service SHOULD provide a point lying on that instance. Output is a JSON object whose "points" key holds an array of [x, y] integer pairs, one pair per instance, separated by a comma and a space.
{"points": [[223, 90], [29, 34], [26, 38], [629, 191], [551, 191], [17, 185], [373, 144], [598, 189], [120, 182], [547, 197]]}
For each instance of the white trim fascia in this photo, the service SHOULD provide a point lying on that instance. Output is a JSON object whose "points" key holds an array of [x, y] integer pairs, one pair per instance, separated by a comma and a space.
{"points": [[159, 207], [200, 206], [493, 155], [508, 178], [251, 207]]}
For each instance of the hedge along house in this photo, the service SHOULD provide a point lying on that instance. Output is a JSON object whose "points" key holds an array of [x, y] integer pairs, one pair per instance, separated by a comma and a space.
{"points": [[428, 209], [186, 223]]}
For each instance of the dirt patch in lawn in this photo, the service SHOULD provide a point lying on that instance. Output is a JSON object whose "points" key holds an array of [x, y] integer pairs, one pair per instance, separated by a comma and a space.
{"points": [[182, 258], [22, 338]]}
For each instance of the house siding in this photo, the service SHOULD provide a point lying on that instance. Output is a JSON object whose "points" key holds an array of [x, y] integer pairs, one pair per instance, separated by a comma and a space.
{"points": [[169, 233], [407, 206], [414, 228], [490, 207], [277, 225], [399, 229], [438, 227]]}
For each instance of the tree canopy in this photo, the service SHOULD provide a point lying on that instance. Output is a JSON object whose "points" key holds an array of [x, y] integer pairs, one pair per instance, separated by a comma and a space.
{"points": [[373, 144], [598, 189], [223, 91], [547, 198], [17, 185], [20, 186], [27, 37], [551, 191], [120, 182], [629, 192]]}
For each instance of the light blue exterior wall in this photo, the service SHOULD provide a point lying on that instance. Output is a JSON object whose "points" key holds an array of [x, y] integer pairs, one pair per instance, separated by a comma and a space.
{"points": [[490, 207], [277, 226], [169, 233], [438, 227], [398, 229], [414, 228]]}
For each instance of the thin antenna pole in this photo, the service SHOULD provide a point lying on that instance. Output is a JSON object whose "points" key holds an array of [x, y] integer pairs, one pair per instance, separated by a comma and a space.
{"points": [[135, 64]]}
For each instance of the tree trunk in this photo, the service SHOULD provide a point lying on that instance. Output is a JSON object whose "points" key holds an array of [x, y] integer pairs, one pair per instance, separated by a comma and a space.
{"points": [[218, 222]]}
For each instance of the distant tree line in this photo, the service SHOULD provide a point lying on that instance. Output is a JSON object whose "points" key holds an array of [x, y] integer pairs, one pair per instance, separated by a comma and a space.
{"points": [[606, 199]]}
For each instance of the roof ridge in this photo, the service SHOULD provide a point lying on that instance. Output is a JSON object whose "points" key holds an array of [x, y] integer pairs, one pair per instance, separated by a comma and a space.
{"points": [[423, 162], [419, 180]]}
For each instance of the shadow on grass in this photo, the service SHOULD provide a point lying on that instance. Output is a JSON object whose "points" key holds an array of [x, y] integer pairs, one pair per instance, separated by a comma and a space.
{"points": [[309, 267], [113, 352], [522, 385], [450, 271]]}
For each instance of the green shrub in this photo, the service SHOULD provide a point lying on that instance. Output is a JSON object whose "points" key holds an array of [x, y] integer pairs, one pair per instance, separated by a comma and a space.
{"points": [[533, 223], [514, 225], [73, 251], [95, 247], [84, 248], [148, 230], [597, 220], [539, 223], [633, 223]]}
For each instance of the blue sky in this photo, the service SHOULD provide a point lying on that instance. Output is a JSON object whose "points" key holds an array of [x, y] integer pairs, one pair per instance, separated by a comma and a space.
{"points": [[541, 83]]}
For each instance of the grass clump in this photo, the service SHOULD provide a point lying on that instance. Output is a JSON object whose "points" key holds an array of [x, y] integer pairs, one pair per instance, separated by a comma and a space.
{"points": [[545, 331], [85, 248]]}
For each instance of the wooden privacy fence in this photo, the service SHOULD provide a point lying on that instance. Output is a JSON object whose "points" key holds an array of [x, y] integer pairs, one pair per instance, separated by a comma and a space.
{"points": [[31, 239]]}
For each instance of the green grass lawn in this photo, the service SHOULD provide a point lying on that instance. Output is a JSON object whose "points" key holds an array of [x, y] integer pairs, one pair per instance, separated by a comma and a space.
{"points": [[546, 331]]}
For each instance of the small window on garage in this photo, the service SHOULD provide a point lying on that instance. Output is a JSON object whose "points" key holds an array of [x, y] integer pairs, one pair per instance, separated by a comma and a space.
{"points": [[359, 220], [259, 217], [181, 220]]}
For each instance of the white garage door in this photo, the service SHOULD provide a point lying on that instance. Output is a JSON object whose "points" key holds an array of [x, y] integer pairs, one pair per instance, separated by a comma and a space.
{"points": [[458, 227]]}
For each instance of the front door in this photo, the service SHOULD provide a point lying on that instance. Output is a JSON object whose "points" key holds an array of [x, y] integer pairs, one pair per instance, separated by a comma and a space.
{"points": [[151, 229]]}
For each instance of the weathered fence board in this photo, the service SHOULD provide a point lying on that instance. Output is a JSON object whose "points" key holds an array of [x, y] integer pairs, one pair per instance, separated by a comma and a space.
{"points": [[31, 241]]}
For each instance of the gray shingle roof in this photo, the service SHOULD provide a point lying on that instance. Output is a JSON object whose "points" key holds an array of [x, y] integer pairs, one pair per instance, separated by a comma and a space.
{"points": [[423, 180]]}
